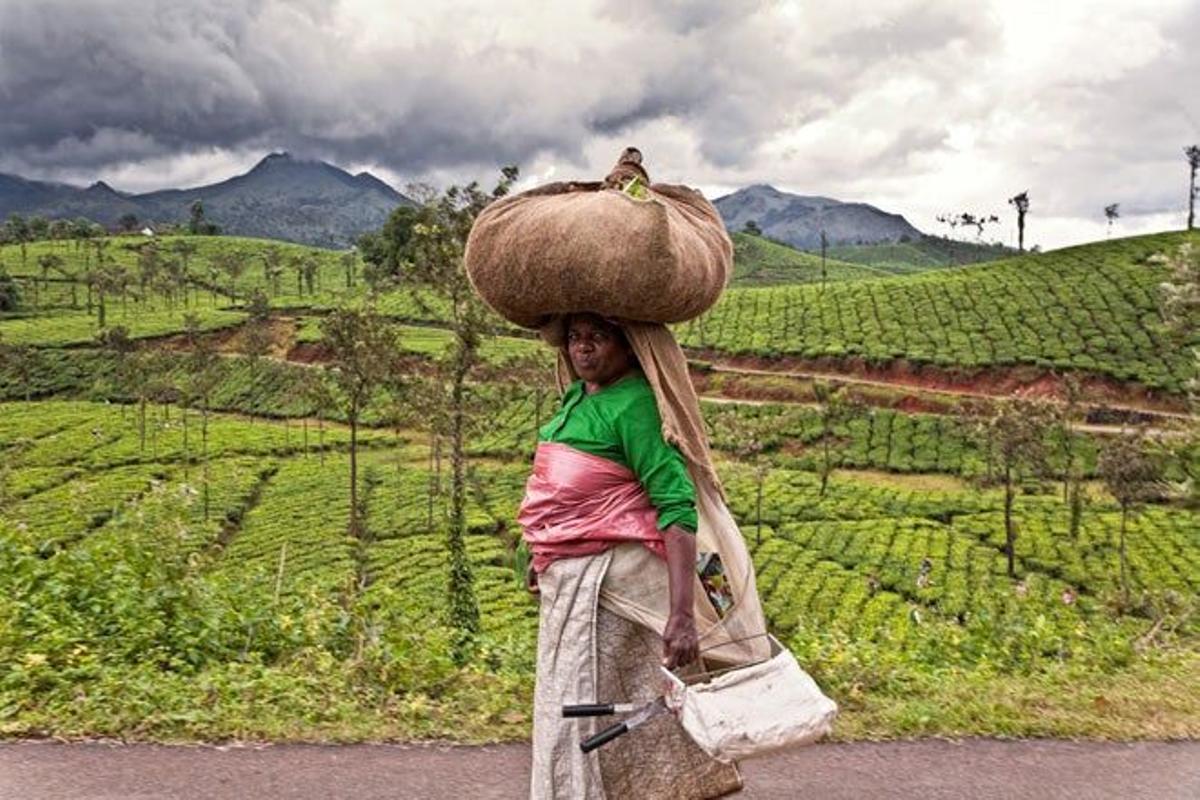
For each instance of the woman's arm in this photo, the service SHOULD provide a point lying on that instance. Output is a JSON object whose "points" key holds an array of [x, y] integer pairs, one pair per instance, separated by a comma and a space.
{"points": [[681, 644]]}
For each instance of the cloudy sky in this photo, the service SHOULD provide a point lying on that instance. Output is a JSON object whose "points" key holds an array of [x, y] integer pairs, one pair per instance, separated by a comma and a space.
{"points": [[916, 107]]}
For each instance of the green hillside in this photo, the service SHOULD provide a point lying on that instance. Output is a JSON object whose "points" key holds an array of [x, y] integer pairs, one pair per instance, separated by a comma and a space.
{"points": [[1092, 307], [762, 262], [929, 252]]}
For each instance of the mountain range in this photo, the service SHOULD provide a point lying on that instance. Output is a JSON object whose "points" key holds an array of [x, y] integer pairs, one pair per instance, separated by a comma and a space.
{"points": [[316, 203], [282, 197], [798, 220]]}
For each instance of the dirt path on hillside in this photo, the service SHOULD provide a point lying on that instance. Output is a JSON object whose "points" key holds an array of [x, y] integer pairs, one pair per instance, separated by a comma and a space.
{"points": [[981, 769], [1080, 427], [1157, 409]]}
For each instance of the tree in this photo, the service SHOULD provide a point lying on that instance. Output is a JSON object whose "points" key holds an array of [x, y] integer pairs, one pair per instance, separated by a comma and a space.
{"points": [[128, 223], [835, 407], [310, 266], [198, 224], [272, 267], [48, 262], [1021, 203], [1017, 430], [24, 361], [318, 396], [349, 260], [59, 230], [422, 249], [1192, 154], [1072, 469], [1111, 212], [184, 250], [256, 336], [149, 268], [202, 377], [10, 295], [39, 228], [977, 221], [751, 227], [233, 264], [104, 279], [82, 230], [16, 229], [364, 346], [116, 341], [1133, 473]]}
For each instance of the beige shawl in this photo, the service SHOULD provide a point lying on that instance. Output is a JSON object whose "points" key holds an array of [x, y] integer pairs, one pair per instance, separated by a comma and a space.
{"points": [[738, 637]]}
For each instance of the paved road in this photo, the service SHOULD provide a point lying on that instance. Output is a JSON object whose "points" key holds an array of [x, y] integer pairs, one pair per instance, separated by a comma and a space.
{"points": [[980, 769]]}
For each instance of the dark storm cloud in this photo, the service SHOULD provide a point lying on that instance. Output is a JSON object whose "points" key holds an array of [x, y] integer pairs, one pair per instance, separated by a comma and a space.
{"points": [[86, 85]]}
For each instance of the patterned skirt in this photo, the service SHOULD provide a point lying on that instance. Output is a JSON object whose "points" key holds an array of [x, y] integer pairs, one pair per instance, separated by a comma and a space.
{"points": [[586, 654]]}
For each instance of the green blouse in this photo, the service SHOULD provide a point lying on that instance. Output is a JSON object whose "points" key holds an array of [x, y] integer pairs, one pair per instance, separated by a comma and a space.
{"points": [[621, 423]]}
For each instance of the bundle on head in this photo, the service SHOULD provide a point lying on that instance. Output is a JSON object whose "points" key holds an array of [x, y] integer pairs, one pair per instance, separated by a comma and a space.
{"points": [[622, 247]]}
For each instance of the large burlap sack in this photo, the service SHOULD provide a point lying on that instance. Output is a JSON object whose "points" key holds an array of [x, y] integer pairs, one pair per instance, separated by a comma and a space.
{"points": [[565, 247]]}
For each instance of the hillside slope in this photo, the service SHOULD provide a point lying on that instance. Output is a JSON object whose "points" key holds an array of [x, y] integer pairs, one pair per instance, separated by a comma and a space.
{"points": [[1092, 307], [925, 253], [762, 262]]}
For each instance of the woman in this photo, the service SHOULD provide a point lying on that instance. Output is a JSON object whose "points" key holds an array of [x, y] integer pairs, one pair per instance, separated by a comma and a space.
{"points": [[608, 503]]}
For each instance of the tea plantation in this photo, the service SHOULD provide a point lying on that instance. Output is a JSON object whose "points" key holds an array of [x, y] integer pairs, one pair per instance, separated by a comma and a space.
{"points": [[174, 572]]}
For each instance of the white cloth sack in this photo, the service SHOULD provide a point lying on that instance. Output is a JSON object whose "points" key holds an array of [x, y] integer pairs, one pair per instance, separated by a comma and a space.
{"points": [[754, 710]]}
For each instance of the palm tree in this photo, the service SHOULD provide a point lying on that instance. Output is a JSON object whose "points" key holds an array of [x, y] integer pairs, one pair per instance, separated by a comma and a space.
{"points": [[1193, 156], [1112, 212], [1021, 203]]}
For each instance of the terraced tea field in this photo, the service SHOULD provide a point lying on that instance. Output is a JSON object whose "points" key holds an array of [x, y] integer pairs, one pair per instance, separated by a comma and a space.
{"points": [[1092, 308], [161, 577]]}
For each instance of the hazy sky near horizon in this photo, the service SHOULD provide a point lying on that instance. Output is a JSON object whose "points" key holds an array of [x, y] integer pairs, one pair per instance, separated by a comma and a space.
{"points": [[916, 107]]}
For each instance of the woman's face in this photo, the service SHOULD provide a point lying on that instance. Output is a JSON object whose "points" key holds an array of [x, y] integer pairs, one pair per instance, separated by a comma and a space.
{"points": [[597, 350]]}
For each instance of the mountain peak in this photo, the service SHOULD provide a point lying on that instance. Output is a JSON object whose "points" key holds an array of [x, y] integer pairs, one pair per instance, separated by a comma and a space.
{"points": [[270, 160], [800, 220]]}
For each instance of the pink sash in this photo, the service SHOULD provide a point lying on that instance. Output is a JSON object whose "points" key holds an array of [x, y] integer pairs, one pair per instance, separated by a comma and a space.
{"points": [[578, 504]]}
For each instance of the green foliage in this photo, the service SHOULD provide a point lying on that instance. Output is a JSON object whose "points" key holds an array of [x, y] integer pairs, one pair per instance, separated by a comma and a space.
{"points": [[1091, 308], [761, 262], [10, 294], [927, 253]]}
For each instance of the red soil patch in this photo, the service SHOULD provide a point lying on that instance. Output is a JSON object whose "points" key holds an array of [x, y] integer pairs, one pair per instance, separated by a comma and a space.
{"points": [[1020, 381]]}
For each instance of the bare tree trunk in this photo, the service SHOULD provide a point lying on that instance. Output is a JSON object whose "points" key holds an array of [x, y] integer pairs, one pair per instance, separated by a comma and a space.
{"points": [[186, 457], [142, 421], [1121, 551], [1192, 199], [354, 471], [321, 436], [758, 510], [429, 483], [204, 452], [824, 462], [1010, 534], [464, 611], [1076, 508]]}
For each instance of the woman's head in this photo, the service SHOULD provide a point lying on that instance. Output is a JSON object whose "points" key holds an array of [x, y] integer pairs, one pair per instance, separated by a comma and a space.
{"points": [[598, 349]]}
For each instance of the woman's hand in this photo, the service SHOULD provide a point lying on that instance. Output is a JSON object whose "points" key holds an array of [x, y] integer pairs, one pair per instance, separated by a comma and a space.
{"points": [[531, 582], [681, 644]]}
